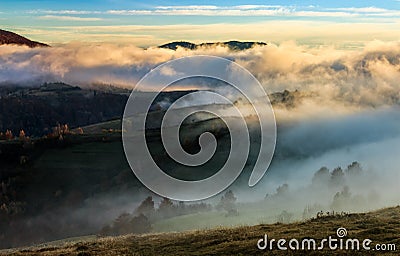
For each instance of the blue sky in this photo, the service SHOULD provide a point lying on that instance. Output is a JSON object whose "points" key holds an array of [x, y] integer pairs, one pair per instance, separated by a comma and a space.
{"points": [[146, 23], [118, 4]]}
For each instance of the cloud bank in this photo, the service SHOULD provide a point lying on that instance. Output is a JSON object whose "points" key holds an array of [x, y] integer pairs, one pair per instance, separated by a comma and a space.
{"points": [[359, 78]]}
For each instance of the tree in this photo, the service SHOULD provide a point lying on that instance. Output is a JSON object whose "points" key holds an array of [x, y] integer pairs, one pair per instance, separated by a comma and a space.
{"points": [[311, 210], [22, 135], [321, 177], [228, 203], [282, 190], [79, 130], [65, 129], [140, 224], [337, 176], [354, 169], [285, 217], [9, 135], [182, 209], [146, 207], [126, 224], [107, 230], [121, 224], [341, 200], [166, 208]]}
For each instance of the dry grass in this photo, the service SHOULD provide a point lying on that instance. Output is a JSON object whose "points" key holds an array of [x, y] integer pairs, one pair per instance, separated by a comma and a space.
{"points": [[382, 226]]}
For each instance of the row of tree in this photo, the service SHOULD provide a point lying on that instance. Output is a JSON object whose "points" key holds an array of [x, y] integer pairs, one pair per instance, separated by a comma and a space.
{"points": [[8, 135], [141, 219], [336, 178], [58, 131]]}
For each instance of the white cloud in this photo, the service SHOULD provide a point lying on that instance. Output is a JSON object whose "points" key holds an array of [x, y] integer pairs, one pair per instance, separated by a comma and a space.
{"points": [[253, 6], [67, 18], [370, 9], [69, 12], [239, 10], [130, 12], [323, 14], [168, 71], [260, 10], [192, 7], [207, 11]]}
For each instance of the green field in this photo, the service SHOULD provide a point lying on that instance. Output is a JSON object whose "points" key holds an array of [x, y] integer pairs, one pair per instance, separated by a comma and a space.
{"points": [[249, 214]]}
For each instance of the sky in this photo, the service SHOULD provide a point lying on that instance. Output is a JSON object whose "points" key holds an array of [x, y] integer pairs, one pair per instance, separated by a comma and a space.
{"points": [[342, 23]]}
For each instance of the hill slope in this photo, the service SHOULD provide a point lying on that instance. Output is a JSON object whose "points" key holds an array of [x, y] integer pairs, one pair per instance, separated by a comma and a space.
{"points": [[37, 109], [7, 37], [381, 227]]}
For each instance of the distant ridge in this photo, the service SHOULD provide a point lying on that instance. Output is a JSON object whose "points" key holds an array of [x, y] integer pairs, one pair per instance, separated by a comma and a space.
{"points": [[233, 45], [7, 37]]}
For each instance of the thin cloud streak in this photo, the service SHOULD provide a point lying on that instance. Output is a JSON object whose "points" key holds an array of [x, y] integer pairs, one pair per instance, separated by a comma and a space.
{"points": [[204, 12], [68, 18], [70, 12], [239, 10]]}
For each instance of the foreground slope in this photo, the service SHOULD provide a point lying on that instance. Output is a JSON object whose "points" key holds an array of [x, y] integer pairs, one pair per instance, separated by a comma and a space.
{"points": [[381, 227]]}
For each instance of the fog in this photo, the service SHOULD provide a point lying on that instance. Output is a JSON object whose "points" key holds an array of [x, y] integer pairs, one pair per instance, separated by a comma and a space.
{"points": [[362, 77], [349, 112], [370, 137]]}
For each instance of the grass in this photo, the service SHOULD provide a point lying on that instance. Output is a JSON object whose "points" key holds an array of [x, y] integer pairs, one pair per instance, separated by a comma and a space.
{"points": [[248, 215], [381, 226]]}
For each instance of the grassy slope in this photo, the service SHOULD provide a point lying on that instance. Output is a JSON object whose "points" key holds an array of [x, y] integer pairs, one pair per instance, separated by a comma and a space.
{"points": [[382, 226], [249, 214]]}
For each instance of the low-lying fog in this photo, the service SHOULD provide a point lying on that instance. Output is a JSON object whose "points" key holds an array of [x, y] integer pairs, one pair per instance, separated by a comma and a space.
{"points": [[349, 113]]}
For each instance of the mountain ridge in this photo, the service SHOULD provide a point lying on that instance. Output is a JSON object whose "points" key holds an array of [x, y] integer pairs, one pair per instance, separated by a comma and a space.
{"points": [[232, 45], [8, 37]]}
